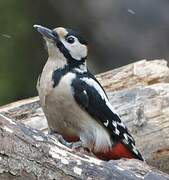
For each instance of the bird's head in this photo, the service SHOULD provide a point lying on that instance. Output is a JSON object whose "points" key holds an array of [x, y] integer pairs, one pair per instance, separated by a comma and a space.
{"points": [[64, 43]]}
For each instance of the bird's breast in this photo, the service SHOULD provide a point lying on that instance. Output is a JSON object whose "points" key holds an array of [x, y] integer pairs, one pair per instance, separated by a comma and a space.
{"points": [[66, 117], [57, 101]]}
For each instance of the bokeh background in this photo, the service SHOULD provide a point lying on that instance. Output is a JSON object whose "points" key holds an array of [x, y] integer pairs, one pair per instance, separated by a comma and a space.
{"points": [[118, 31]]}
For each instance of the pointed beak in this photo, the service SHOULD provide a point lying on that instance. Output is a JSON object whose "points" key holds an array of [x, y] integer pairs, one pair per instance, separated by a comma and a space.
{"points": [[48, 33]]}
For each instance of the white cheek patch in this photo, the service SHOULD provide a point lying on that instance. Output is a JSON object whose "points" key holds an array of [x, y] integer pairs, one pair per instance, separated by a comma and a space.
{"points": [[76, 50]]}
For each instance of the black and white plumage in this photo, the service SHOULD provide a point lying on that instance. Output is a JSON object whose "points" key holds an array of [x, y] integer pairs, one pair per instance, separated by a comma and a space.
{"points": [[74, 102]]}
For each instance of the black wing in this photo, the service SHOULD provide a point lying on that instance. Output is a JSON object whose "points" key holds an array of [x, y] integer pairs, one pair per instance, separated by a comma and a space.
{"points": [[89, 94]]}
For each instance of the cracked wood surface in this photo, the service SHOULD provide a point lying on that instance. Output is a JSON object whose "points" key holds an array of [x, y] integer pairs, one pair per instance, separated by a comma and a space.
{"points": [[140, 94], [26, 153]]}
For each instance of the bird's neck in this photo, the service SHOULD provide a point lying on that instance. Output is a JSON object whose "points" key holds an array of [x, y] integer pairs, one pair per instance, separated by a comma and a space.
{"points": [[54, 63]]}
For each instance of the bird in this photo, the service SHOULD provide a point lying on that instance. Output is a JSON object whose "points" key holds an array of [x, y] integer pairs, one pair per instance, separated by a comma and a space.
{"points": [[75, 104]]}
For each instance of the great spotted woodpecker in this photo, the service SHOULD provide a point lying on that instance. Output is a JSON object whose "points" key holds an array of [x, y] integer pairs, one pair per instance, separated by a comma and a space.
{"points": [[75, 104]]}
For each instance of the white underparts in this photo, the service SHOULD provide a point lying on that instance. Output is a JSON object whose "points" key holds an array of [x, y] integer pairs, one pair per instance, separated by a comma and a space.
{"points": [[102, 142], [96, 138]]}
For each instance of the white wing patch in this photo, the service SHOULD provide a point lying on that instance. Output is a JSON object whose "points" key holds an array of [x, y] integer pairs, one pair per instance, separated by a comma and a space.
{"points": [[125, 142], [121, 124], [116, 129], [125, 136], [95, 85], [106, 123], [85, 92], [134, 148]]}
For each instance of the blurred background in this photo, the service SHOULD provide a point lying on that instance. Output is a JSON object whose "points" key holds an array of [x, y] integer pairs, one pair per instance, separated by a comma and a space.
{"points": [[119, 32]]}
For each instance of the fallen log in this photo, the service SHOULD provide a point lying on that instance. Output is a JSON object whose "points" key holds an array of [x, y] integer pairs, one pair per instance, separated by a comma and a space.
{"points": [[141, 73], [26, 153], [140, 94]]}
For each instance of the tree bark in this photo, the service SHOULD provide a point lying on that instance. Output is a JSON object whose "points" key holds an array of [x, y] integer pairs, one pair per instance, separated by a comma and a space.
{"points": [[140, 94]]}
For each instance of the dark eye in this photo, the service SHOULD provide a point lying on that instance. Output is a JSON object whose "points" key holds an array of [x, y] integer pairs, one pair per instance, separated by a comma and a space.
{"points": [[70, 39]]}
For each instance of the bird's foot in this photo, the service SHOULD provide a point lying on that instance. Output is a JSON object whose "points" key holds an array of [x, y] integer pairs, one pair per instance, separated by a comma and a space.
{"points": [[78, 147], [75, 146], [59, 138]]}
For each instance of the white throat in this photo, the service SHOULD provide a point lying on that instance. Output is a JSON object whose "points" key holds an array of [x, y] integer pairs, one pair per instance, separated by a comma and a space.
{"points": [[56, 59]]}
